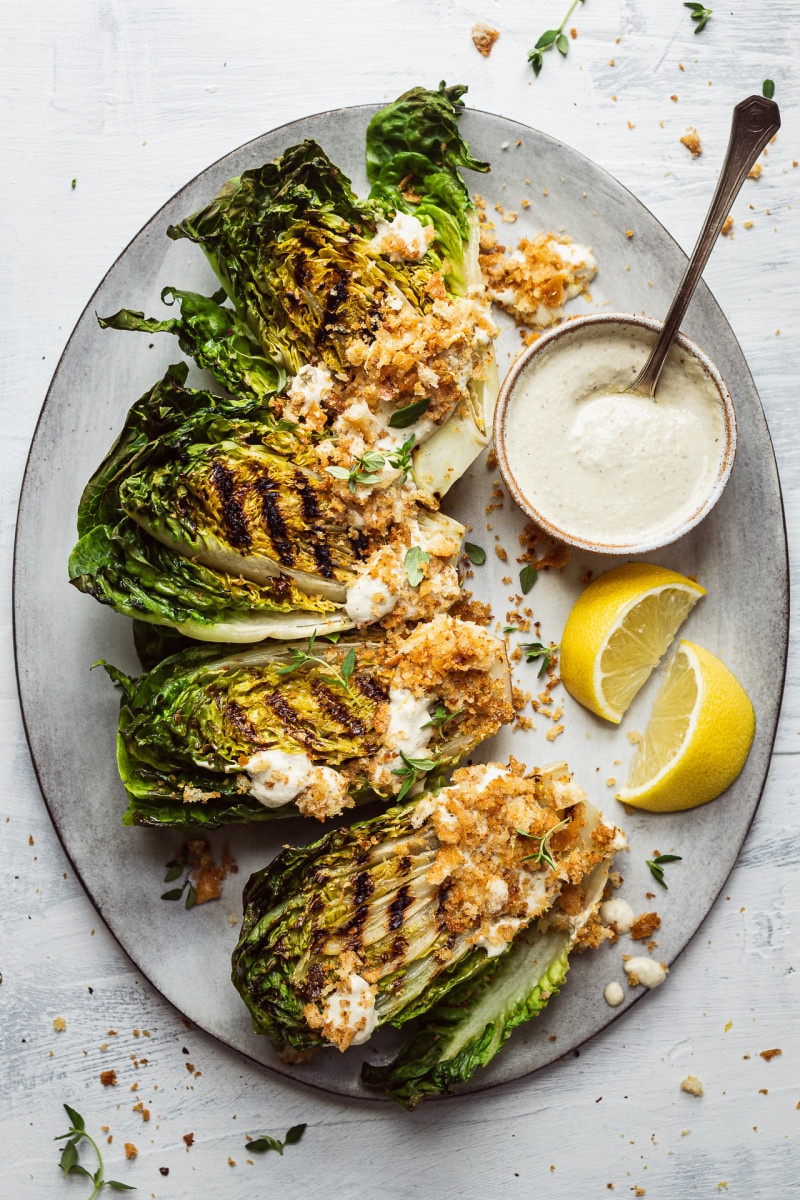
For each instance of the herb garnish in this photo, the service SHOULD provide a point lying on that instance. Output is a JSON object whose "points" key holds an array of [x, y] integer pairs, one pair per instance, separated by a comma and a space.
{"points": [[510, 629], [69, 1156], [475, 554], [534, 650], [768, 88], [656, 866], [527, 578], [543, 855], [415, 556], [441, 717], [362, 471], [400, 459], [409, 772], [264, 1143], [300, 658], [404, 417], [365, 469], [699, 14], [550, 38], [175, 868]]}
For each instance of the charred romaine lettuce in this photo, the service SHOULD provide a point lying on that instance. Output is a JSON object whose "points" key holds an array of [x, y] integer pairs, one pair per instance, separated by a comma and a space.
{"points": [[216, 338], [228, 525], [210, 738], [379, 923], [464, 1031], [415, 153]]}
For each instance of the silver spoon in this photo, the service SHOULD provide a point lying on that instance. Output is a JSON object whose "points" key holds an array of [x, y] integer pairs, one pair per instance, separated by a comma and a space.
{"points": [[754, 122]]}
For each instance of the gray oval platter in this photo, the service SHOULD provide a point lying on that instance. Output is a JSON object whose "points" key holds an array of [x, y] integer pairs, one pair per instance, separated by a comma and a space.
{"points": [[739, 554]]}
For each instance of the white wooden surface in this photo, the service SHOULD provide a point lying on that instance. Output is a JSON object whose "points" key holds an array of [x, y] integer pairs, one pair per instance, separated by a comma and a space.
{"points": [[131, 100]]}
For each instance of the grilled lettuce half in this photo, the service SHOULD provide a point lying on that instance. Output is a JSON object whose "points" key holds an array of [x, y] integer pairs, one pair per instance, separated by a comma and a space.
{"points": [[198, 734], [296, 252], [463, 1032], [370, 926]]}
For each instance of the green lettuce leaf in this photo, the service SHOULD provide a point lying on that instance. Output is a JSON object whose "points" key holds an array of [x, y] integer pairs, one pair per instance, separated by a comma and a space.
{"points": [[216, 338], [290, 242], [472, 1023], [415, 154]]}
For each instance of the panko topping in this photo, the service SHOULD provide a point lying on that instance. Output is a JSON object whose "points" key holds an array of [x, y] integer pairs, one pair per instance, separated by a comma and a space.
{"points": [[505, 852], [535, 281]]}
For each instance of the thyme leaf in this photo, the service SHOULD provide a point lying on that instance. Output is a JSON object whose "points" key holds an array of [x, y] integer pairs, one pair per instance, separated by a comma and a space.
{"points": [[69, 1159], [656, 866], [551, 38], [768, 88], [543, 855], [527, 578], [476, 554], [404, 417], [441, 717], [339, 677], [266, 1142], [412, 768], [400, 459], [415, 556], [534, 650], [699, 14], [364, 470]]}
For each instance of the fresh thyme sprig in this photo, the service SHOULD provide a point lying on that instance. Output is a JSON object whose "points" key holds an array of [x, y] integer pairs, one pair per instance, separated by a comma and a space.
{"points": [[265, 1143], [534, 650], [175, 868], [441, 717], [543, 855], [340, 677], [69, 1156], [410, 771], [364, 470], [699, 13], [550, 38], [400, 459], [656, 866]]}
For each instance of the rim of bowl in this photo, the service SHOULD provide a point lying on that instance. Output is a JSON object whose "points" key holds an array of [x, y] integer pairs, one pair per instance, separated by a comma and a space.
{"points": [[708, 499]]}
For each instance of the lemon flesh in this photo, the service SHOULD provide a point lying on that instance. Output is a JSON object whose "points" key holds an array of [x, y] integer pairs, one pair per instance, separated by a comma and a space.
{"points": [[618, 630], [698, 736]]}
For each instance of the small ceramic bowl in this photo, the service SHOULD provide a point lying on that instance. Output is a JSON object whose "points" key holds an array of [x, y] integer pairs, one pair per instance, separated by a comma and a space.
{"points": [[514, 423]]}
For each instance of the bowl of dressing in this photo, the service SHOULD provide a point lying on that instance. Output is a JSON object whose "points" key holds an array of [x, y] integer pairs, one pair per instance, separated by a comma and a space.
{"points": [[602, 468]]}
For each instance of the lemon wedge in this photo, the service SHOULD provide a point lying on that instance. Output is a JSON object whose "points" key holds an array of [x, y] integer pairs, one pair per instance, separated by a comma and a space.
{"points": [[618, 630], [698, 736]]}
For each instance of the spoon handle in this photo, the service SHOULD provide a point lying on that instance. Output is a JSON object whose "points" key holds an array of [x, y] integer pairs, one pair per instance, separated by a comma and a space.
{"points": [[754, 122]]}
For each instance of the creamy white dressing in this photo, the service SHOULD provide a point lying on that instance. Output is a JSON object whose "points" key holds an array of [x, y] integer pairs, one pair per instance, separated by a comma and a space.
{"points": [[369, 599], [310, 386], [608, 467], [648, 972], [276, 778], [407, 716], [617, 914], [351, 1008], [613, 994], [403, 238]]}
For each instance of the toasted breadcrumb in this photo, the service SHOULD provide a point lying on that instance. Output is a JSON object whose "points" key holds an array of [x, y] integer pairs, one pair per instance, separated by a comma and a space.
{"points": [[59, 1024], [691, 140], [484, 37], [644, 926], [130, 1150], [108, 1078], [769, 1054], [692, 1085]]}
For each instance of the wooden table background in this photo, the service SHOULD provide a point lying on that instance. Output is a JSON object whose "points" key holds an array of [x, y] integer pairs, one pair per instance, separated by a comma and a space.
{"points": [[130, 100]]}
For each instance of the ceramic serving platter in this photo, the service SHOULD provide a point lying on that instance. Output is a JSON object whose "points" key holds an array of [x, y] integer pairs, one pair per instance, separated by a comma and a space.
{"points": [[738, 553]]}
